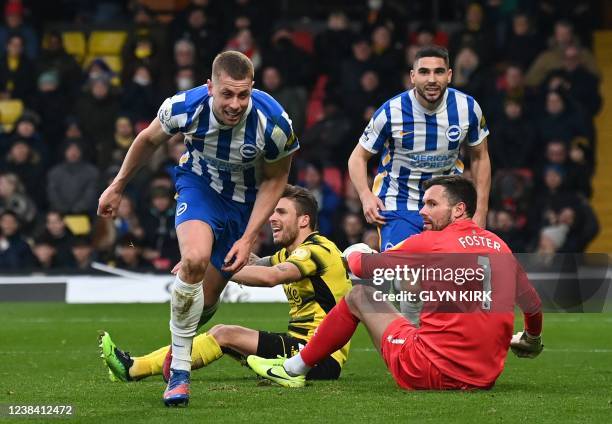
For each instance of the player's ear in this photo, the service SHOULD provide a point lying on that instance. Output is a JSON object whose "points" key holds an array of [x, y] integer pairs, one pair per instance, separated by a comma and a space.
{"points": [[450, 75], [304, 221], [209, 84], [459, 210]]}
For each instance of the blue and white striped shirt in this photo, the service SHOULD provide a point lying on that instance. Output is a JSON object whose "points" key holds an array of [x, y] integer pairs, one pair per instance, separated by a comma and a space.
{"points": [[229, 159], [417, 144]]}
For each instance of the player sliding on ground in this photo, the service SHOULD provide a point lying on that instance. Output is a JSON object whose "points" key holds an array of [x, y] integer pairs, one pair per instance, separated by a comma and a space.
{"points": [[313, 276], [449, 350]]}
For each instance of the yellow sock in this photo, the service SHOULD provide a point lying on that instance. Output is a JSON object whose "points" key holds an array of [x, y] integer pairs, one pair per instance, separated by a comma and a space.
{"points": [[204, 351], [150, 364]]}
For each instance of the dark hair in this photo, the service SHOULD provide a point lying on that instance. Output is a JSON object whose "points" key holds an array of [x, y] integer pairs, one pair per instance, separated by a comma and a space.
{"points": [[432, 51], [458, 189], [235, 64], [305, 203]]}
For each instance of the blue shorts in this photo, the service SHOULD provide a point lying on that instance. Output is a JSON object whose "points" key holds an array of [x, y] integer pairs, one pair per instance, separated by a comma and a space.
{"points": [[196, 200], [399, 225]]}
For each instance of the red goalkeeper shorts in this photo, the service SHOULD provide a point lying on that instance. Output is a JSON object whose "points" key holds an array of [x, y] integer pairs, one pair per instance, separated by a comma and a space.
{"points": [[411, 369]]}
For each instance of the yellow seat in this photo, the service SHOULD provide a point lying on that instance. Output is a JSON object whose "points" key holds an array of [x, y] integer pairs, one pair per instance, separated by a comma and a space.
{"points": [[78, 224], [106, 42], [10, 112], [74, 44]]}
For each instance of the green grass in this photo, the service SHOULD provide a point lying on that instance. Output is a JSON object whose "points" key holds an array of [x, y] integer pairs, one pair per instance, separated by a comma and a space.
{"points": [[49, 355]]}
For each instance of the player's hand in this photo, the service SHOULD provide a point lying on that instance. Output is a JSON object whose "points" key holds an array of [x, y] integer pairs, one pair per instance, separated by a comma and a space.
{"points": [[524, 345], [372, 205], [176, 268], [480, 219], [358, 247], [238, 256], [108, 203]]}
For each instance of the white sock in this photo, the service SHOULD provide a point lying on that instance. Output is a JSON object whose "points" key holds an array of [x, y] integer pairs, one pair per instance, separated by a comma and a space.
{"points": [[186, 304], [296, 366]]}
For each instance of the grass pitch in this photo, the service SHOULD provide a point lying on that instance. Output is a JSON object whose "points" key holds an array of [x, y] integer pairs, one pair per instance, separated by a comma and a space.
{"points": [[50, 357]]}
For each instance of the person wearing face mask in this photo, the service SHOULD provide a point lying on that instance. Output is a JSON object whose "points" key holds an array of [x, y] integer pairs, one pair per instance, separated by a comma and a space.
{"points": [[239, 146], [185, 78], [139, 98]]}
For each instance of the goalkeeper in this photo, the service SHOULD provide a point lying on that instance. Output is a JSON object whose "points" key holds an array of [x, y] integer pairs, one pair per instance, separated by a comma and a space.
{"points": [[453, 348], [314, 279]]}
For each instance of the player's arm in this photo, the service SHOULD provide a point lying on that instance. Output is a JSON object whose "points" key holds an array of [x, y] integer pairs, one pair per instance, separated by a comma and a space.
{"points": [[267, 276], [481, 173], [145, 143], [275, 176], [528, 343], [358, 171]]}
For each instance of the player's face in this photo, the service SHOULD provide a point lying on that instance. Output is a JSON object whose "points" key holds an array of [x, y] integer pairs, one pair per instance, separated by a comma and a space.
{"points": [[436, 212], [284, 222], [430, 77], [230, 97]]}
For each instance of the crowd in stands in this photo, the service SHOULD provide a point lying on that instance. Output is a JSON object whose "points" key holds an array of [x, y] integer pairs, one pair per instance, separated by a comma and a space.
{"points": [[528, 64]]}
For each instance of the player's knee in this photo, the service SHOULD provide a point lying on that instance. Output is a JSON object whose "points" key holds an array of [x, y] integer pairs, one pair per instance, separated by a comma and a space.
{"points": [[193, 265], [222, 333]]}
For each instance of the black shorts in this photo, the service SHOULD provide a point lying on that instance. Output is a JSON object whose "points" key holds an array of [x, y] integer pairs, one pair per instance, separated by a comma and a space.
{"points": [[270, 345]]}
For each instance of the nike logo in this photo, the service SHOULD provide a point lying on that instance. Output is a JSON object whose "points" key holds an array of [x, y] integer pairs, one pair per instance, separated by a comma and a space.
{"points": [[271, 374], [405, 133]]}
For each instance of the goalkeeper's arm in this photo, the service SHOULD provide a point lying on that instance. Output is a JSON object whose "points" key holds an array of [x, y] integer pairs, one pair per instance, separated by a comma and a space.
{"points": [[528, 343]]}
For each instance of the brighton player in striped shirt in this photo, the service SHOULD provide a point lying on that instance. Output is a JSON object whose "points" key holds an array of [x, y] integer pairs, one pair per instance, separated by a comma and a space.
{"points": [[418, 134], [239, 145]]}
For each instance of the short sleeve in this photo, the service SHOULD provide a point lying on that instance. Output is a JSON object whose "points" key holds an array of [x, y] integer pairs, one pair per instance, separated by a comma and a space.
{"points": [[478, 129], [172, 114], [377, 131], [303, 258], [280, 139]]}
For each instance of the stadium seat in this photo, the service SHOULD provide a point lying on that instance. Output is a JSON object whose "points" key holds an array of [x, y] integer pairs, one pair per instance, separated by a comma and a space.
{"points": [[102, 43], [10, 112], [314, 107], [74, 44], [80, 225]]}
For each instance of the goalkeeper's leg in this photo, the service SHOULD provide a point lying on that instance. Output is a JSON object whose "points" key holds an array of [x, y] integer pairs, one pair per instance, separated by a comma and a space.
{"points": [[339, 326]]}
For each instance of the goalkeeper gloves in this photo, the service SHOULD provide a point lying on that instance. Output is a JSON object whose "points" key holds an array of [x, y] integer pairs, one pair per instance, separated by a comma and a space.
{"points": [[359, 247], [525, 345]]}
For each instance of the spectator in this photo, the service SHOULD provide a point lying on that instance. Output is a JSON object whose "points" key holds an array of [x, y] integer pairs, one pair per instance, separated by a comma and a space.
{"points": [[523, 43], [50, 104], [469, 73], [185, 79], [26, 128], [293, 99], [44, 255], [14, 199], [55, 60], [161, 245], [198, 29], [370, 237], [327, 200], [583, 84], [385, 56], [474, 34], [14, 25], [96, 110], [514, 141], [352, 231], [333, 44], [25, 163], [139, 99], [59, 236], [328, 137], [361, 60], [82, 254], [558, 122], [505, 227], [552, 58], [15, 252], [72, 186], [17, 72], [294, 64], [244, 42], [425, 36], [370, 93]]}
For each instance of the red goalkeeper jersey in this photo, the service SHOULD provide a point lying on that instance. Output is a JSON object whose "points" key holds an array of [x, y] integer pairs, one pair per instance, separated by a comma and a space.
{"points": [[471, 345]]}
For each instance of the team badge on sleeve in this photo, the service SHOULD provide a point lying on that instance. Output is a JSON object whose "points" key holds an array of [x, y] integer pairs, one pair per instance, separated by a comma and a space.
{"points": [[300, 254]]}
